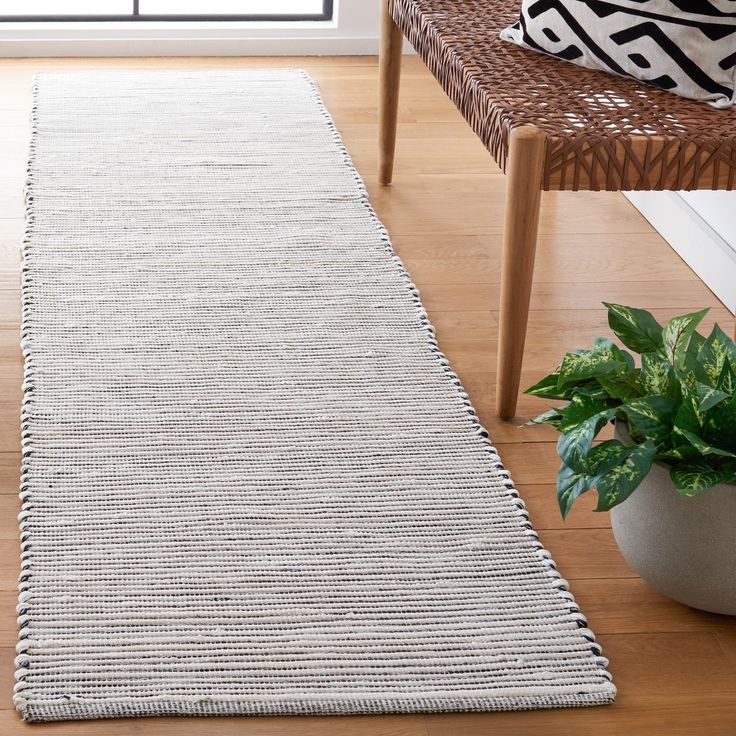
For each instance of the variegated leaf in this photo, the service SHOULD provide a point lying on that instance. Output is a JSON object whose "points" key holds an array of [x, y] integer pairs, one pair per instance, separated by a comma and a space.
{"points": [[690, 362], [547, 388], [702, 446], [574, 446], [621, 385], [607, 455], [636, 328], [570, 485], [551, 416], [587, 364], [593, 389], [690, 480], [709, 397], [657, 376], [622, 480], [719, 425], [651, 416], [727, 380], [688, 415], [676, 336], [714, 352], [580, 408], [684, 452], [605, 345]]}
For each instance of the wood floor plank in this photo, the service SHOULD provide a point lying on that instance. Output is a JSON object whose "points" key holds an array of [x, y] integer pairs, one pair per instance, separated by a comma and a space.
{"points": [[14, 117], [9, 565], [471, 325], [680, 295], [12, 226], [544, 513], [417, 204], [633, 714], [9, 473], [726, 638], [8, 624], [664, 680], [11, 188], [10, 275], [9, 426], [473, 259], [9, 308], [9, 510], [630, 606], [533, 463], [585, 553]]}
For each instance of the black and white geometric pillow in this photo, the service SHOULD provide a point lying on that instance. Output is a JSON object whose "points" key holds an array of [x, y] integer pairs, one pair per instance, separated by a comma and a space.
{"points": [[685, 46]]}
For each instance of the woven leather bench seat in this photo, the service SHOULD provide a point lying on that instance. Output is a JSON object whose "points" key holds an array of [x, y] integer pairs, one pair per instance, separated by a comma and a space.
{"points": [[602, 131]]}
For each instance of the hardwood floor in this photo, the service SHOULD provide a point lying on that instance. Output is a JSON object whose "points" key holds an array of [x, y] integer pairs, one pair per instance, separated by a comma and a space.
{"points": [[675, 667]]}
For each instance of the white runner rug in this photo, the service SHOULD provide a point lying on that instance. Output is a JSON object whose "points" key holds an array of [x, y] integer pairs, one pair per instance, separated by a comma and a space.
{"points": [[252, 484]]}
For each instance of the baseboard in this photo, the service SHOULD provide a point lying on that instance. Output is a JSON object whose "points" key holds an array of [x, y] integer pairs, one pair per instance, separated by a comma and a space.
{"points": [[701, 247], [199, 46]]}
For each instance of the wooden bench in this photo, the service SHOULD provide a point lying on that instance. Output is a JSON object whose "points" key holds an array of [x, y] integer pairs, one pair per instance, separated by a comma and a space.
{"points": [[549, 125]]}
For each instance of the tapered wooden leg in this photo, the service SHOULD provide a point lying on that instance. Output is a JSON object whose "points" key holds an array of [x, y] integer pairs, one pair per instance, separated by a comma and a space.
{"points": [[389, 71], [523, 193]]}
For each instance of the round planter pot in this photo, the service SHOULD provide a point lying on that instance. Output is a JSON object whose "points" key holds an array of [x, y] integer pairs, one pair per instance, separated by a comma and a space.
{"points": [[684, 548]]}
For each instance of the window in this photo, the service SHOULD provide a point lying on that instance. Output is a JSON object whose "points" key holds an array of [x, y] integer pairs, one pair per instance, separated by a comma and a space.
{"points": [[166, 10]]}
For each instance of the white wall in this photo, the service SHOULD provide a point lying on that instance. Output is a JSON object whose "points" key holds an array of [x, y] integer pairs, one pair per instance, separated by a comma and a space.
{"points": [[718, 209], [701, 227], [354, 30]]}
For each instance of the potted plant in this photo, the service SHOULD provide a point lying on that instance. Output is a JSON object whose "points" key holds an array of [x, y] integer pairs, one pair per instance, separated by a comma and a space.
{"points": [[669, 475]]}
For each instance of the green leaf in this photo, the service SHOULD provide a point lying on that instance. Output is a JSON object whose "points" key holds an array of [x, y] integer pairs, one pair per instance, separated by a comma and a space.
{"points": [[717, 349], [691, 354], [651, 416], [621, 386], [574, 446], [676, 336], [719, 425], [581, 407], [685, 453], [570, 485], [587, 364], [604, 344], [709, 397], [689, 380], [551, 416], [657, 377], [636, 328], [622, 480], [593, 390], [547, 388], [727, 380], [702, 446], [607, 455], [690, 480], [689, 416], [627, 357]]}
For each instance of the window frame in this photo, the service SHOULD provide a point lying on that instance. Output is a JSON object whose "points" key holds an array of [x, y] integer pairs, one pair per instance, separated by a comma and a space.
{"points": [[327, 14]]}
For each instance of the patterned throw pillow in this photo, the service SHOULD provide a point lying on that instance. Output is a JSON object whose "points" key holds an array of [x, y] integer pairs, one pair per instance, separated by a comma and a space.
{"points": [[685, 46]]}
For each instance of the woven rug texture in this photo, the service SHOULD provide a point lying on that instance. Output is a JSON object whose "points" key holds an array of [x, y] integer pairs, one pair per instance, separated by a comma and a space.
{"points": [[251, 482]]}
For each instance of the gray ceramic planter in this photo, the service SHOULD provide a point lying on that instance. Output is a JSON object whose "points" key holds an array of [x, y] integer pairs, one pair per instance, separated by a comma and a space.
{"points": [[684, 548]]}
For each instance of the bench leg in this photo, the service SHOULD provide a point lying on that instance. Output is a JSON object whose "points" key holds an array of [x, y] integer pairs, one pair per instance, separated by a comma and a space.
{"points": [[389, 71], [523, 193]]}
